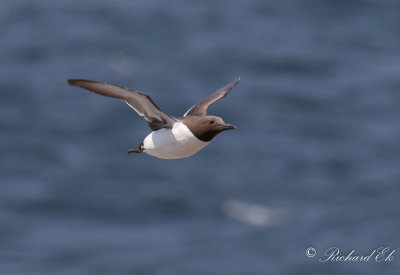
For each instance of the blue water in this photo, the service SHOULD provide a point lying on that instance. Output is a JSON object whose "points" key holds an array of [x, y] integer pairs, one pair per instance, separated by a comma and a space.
{"points": [[314, 161]]}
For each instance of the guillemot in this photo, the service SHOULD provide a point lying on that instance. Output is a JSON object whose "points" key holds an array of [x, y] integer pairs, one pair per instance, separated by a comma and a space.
{"points": [[171, 138]]}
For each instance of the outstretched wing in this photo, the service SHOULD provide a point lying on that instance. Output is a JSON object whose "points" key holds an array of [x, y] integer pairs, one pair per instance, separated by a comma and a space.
{"points": [[200, 109], [138, 101]]}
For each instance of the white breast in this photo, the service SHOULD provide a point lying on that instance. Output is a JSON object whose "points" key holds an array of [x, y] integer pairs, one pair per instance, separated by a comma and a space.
{"points": [[178, 142]]}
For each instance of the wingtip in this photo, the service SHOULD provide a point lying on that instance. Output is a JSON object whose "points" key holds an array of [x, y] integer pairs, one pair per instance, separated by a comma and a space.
{"points": [[76, 81], [236, 81], [72, 82]]}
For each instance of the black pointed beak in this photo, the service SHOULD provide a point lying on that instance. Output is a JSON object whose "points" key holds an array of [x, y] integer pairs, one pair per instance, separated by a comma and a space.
{"points": [[228, 127]]}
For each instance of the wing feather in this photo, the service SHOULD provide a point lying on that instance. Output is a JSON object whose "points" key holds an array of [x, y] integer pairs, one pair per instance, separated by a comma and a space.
{"points": [[200, 109], [138, 101]]}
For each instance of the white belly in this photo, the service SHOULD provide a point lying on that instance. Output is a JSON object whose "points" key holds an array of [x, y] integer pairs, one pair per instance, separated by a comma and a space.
{"points": [[174, 143]]}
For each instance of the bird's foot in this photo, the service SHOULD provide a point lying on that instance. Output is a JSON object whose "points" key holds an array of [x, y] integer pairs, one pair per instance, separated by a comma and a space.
{"points": [[136, 149]]}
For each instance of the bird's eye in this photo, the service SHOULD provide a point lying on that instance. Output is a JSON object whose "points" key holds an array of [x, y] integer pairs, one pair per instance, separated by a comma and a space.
{"points": [[212, 121]]}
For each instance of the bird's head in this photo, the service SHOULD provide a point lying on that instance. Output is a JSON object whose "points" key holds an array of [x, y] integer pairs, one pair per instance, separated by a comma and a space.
{"points": [[206, 127]]}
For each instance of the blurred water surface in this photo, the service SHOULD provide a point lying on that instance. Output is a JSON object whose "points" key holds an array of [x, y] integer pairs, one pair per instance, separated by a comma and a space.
{"points": [[314, 161]]}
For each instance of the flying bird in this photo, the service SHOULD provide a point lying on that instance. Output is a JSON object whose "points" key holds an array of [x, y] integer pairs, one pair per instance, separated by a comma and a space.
{"points": [[171, 138]]}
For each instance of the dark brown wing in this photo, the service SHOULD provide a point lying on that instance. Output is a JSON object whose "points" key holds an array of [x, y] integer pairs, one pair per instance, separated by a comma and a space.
{"points": [[138, 101], [200, 109]]}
